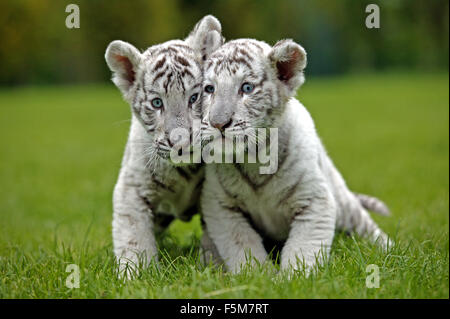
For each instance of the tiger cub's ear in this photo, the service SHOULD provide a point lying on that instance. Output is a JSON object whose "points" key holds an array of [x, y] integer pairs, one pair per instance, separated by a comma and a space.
{"points": [[289, 60], [123, 60], [206, 37]]}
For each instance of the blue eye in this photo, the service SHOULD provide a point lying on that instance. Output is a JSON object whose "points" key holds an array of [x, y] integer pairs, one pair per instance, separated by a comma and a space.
{"points": [[247, 87], [193, 98], [157, 103], [209, 89]]}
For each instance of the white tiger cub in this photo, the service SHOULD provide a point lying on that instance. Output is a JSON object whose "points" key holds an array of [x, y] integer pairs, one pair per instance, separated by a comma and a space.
{"points": [[163, 86], [249, 84]]}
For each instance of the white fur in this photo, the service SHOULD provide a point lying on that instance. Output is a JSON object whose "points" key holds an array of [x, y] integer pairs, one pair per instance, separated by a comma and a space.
{"points": [[306, 199], [149, 185]]}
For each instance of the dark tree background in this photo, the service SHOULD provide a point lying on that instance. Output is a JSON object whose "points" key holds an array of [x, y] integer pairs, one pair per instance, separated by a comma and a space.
{"points": [[36, 47]]}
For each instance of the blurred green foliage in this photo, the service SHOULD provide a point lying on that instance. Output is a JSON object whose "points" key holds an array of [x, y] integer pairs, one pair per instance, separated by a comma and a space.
{"points": [[36, 46]]}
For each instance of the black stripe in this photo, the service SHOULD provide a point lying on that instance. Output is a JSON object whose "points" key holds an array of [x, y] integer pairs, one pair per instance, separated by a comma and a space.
{"points": [[182, 60], [159, 64], [241, 60], [186, 71], [183, 46], [159, 75], [289, 193], [167, 50], [147, 202], [166, 84], [182, 173], [248, 180], [162, 185], [194, 169], [244, 53], [264, 79]]}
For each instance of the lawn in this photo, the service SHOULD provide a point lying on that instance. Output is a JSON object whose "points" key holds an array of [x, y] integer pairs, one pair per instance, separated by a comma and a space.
{"points": [[60, 152]]}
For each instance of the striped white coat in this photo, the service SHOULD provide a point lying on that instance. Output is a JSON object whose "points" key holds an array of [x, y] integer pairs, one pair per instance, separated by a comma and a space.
{"points": [[249, 84], [163, 86]]}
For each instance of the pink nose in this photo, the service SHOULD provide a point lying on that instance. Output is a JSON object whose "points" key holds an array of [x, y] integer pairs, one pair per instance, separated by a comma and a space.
{"points": [[222, 125]]}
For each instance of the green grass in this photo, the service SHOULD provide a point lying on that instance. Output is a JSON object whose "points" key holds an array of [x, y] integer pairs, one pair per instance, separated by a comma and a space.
{"points": [[60, 151]]}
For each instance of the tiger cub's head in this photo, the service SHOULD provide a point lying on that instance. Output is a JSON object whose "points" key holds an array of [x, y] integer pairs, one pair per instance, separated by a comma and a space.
{"points": [[247, 83], [163, 85]]}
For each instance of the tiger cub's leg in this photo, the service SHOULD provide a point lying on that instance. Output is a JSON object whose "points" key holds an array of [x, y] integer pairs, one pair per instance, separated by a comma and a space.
{"points": [[311, 233], [133, 230]]}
